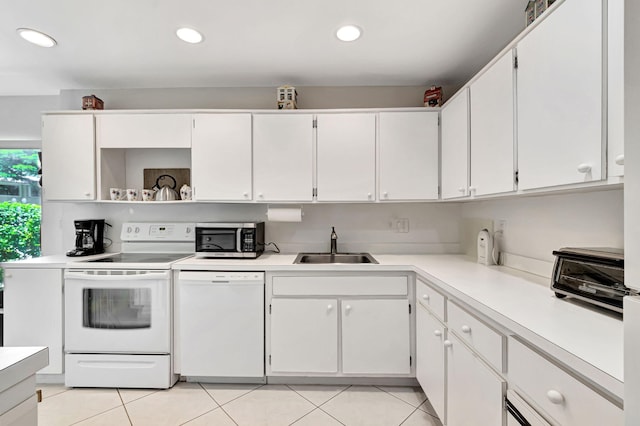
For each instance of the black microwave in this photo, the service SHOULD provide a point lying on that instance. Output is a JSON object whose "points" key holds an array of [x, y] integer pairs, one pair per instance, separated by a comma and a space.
{"points": [[230, 240]]}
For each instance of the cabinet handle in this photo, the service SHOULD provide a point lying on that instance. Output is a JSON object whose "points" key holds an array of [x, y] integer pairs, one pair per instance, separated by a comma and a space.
{"points": [[329, 307], [260, 195], [472, 188], [584, 168], [555, 397], [369, 195], [437, 333], [620, 160], [425, 296], [466, 329], [87, 194], [246, 194], [448, 343], [385, 194], [461, 189], [347, 309]]}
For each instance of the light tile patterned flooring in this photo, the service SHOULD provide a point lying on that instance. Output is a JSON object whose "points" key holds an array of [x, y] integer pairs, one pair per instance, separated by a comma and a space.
{"points": [[251, 405]]}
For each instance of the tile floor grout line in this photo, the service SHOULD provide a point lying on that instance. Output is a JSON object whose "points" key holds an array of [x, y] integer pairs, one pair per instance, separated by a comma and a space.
{"points": [[97, 414], [220, 405], [411, 405], [407, 418], [302, 417], [330, 415], [237, 397], [125, 407]]}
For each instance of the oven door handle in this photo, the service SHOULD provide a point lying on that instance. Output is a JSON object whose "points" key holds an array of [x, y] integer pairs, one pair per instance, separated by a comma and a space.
{"points": [[239, 240], [147, 276]]}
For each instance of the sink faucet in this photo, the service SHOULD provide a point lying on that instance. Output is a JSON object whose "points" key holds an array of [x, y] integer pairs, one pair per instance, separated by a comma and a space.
{"points": [[334, 241]]}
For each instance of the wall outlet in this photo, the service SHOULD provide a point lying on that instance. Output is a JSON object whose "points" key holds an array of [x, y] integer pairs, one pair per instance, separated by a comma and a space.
{"points": [[500, 226], [402, 225]]}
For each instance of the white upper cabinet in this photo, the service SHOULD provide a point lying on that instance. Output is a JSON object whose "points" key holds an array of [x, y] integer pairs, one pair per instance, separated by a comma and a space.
{"points": [[560, 96], [346, 157], [455, 146], [492, 129], [68, 157], [221, 157], [408, 155], [143, 131], [282, 157], [615, 89]]}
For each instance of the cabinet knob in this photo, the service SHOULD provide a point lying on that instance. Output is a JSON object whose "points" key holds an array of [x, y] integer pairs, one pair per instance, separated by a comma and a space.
{"points": [[584, 168], [329, 307], [369, 195], [472, 188], [437, 333], [425, 296], [466, 329], [385, 194], [260, 195], [448, 343], [620, 160], [555, 397], [87, 194], [245, 194], [461, 189], [6, 275], [347, 308]]}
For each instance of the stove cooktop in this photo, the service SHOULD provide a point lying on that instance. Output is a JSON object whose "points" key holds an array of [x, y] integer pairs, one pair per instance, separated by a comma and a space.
{"points": [[143, 258]]}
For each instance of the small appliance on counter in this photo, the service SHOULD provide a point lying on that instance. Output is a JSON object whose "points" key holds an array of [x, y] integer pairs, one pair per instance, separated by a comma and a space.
{"points": [[89, 237], [485, 248], [230, 240], [595, 275]]}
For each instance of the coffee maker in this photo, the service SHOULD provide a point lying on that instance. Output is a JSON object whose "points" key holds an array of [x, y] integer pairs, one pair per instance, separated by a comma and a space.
{"points": [[89, 237]]}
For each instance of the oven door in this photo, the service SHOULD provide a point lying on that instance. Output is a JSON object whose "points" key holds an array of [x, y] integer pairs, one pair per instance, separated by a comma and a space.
{"points": [[117, 311]]}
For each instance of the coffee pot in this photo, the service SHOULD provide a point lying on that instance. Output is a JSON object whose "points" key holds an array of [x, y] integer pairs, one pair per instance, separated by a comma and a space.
{"points": [[89, 237]]}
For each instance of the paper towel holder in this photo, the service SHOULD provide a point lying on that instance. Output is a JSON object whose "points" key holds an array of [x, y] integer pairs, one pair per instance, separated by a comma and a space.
{"points": [[284, 214]]}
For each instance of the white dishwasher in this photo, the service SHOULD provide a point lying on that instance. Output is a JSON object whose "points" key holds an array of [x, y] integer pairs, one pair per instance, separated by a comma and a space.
{"points": [[220, 324]]}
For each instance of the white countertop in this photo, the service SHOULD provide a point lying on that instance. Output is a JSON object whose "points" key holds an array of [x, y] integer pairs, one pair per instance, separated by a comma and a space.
{"points": [[54, 261], [589, 340], [18, 363]]}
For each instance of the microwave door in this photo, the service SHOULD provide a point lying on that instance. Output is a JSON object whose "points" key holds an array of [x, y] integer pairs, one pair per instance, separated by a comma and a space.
{"points": [[239, 240]]}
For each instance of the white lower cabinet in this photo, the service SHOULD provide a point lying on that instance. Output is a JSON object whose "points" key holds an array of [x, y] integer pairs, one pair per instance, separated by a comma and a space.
{"points": [[430, 359], [33, 313], [304, 336], [318, 328], [474, 392]]}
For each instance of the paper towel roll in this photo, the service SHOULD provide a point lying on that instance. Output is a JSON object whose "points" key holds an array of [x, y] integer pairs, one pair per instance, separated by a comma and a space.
{"points": [[281, 214]]}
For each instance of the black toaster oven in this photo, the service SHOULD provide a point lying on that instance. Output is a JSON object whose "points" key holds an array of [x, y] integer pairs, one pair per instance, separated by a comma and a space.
{"points": [[595, 275]]}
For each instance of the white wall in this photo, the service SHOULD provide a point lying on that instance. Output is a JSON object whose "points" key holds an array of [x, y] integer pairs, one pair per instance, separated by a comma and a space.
{"points": [[537, 225], [20, 117], [433, 228]]}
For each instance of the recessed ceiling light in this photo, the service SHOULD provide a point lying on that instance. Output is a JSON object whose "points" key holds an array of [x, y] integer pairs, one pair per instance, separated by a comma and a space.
{"points": [[36, 37], [189, 35], [348, 33]]}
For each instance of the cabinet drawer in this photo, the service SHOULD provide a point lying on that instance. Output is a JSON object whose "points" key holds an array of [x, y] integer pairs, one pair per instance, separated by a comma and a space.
{"points": [[486, 341], [341, 286], [430, 299], [560, 395]]}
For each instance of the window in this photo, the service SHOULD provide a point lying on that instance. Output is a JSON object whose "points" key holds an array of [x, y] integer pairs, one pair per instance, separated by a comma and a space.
{"points": [[19, 205]]}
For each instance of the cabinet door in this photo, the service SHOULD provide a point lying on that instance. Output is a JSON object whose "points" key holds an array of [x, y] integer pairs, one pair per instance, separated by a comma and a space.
{"points": [[221, 157], [376, 337], [492, 129], [473, 390], [408, 155], [346, 159], [68, 157], [33, 312], [615, 88], [282, 157], [455, 146], [430, 366], [560, 98], [143, 131], [304, 336]]}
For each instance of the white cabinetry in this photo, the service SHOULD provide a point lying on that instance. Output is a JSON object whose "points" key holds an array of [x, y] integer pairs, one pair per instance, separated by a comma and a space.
{"points": [[615, 88], [33, 312], [408, 145], [430, 358], [346, 157], [143, 130], [356, 325], [283, 157], [492, 128], [560, 96], [474, 391], [455, 146], [221, 157], [304, 336], [375, 338], [558, 394], [68, 157]]}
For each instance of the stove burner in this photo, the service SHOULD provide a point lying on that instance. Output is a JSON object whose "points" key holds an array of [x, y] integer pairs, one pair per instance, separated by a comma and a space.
{"points": [[143, 258]]}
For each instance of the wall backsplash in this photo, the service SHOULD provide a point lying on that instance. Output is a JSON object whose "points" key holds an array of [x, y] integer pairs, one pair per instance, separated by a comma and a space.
{"points": [[433, 228]]}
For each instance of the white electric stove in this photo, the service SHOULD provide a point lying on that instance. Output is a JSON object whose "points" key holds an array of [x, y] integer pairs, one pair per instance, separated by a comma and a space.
{"points": [[118, 310]]}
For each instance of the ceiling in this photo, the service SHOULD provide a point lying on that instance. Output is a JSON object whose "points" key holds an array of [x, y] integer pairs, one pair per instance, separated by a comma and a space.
{"points": [[250, 43]]}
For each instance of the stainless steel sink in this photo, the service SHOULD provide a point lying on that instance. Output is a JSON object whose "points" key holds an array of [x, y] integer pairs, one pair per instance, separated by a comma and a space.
{"points": [[348, 258]]}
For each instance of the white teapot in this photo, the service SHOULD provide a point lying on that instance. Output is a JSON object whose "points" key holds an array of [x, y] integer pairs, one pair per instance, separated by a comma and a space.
{"points": [[185, 192]]}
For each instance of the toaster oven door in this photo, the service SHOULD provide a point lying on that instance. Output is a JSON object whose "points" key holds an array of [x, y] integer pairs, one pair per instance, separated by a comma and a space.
{"points": [[603, 284]]}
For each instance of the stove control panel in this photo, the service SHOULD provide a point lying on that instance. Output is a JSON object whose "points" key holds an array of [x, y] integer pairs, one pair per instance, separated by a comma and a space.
{"points": [[157, 231]]}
